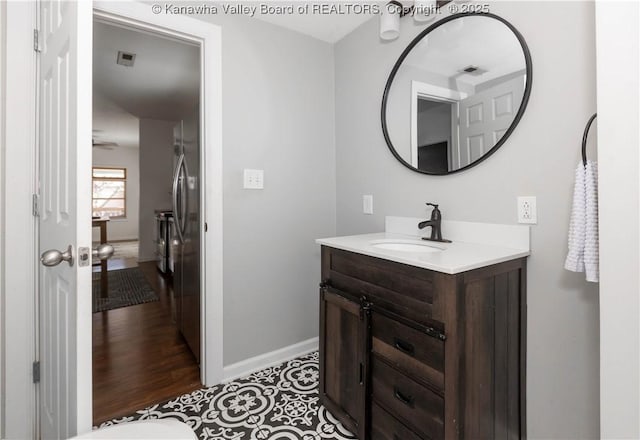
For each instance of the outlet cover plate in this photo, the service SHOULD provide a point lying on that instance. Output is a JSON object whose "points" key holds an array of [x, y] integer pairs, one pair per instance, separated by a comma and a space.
{"points": [[253, 179], [527, 210]]}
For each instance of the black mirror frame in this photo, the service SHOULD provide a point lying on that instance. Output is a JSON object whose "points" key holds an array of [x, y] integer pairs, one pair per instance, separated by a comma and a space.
{"points": [[414, 42]]}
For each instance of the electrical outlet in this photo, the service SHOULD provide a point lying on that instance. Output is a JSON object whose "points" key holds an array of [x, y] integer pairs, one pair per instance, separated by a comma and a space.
{"points": [[367, 204], [527, 211], [253, 179]]}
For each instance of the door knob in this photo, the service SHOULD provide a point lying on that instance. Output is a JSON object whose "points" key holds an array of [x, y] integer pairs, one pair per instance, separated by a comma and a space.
{"points": [[53, 257], [102, 252]]}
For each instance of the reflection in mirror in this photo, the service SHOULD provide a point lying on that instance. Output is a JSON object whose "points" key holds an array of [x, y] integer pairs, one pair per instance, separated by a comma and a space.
{"points": [[456, 93]]}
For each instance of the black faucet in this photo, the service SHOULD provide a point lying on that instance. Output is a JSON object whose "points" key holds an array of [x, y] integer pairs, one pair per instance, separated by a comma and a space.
{"points": [[436, 225]]}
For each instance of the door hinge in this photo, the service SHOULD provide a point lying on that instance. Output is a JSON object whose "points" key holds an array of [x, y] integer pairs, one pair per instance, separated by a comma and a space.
{"points": [[36, 40], [35, 205], [206, 227], [36, 371]]}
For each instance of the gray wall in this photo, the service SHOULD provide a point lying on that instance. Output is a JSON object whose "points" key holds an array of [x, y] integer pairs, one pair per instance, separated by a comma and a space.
{"points": [[278, 108], [156, 172], [539, 159], [127, 228]]}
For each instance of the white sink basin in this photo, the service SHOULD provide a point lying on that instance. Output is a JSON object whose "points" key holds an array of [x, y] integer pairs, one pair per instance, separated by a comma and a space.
{"points": [[405, 246]]}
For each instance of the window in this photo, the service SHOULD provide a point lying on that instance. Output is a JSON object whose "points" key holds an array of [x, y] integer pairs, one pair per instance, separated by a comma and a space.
{"points": [[109, 192]]}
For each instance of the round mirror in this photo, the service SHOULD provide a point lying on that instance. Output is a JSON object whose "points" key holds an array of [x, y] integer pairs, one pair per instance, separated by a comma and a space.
{"points": [[456, 93]]}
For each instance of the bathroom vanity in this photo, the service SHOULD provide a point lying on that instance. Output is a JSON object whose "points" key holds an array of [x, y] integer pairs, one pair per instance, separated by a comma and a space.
{"points": [[425, 343]]}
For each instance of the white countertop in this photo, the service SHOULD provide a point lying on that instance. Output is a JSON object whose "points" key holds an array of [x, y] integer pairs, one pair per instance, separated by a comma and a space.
{"points": [[455, 257]]}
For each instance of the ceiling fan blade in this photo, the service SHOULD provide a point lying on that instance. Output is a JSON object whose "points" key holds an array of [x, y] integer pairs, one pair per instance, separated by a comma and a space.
{"points": [[95, 143]]}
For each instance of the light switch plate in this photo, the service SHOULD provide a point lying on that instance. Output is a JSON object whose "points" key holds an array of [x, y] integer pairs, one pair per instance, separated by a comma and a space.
{"points": [[367, 204], [253, 179], [527, 210]]}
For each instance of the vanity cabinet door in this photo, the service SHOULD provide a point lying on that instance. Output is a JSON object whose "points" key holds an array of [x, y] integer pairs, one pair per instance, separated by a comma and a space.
{"points": [[343, 334]]}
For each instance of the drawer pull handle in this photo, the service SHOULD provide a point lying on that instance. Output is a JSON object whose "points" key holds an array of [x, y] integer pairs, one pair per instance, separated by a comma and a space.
{"points": [[407, 400], [404, 347]]}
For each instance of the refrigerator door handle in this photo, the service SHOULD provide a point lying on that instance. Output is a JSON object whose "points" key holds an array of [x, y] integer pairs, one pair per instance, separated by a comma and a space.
{"points": [[184, 197], [176, 211]]}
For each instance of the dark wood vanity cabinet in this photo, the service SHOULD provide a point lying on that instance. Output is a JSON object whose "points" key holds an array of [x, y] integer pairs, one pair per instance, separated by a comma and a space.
{"points": [[408, 353]]}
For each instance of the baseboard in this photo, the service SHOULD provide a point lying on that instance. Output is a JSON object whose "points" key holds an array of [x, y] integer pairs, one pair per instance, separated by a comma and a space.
{"points": [[266, 360]]}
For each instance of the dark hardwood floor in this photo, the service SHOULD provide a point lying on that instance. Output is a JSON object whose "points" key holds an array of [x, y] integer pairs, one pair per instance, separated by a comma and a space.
{"points": [[139, 357]]}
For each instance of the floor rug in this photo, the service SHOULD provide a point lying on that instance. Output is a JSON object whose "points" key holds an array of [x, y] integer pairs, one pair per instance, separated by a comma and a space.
{"points": [[127, 287]]}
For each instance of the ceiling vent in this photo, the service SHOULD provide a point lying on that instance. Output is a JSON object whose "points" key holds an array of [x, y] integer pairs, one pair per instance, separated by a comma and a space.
{"points": [[473, 70], [126, 58]]}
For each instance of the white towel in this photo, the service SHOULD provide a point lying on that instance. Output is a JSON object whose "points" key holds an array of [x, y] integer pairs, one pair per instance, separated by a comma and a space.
{"points": [[591, 232], [577, 225], [583, 227]]}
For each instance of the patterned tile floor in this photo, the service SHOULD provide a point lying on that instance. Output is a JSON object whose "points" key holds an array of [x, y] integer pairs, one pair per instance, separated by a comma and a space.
{"points": [[276, 403]]}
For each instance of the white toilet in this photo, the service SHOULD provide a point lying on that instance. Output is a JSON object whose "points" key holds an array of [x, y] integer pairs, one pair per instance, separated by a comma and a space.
{"points": [[156, 429]]}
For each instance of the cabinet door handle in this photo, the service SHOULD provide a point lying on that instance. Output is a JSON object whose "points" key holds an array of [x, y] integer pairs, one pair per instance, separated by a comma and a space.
{"points": [[407, 400], [404, 346]]}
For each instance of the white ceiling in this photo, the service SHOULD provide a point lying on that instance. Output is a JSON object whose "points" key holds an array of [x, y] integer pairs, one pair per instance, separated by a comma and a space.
{"points": [[114, 124], [163, 83], [329, 27], [478, 41]]}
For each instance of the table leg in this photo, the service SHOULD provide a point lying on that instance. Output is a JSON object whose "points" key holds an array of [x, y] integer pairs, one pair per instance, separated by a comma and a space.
{"points": [[104, 276]]}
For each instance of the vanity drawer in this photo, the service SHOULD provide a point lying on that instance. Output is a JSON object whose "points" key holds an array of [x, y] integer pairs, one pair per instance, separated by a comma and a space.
{"points": [[409, 349], [386, 427], [402, 289], [412, 403]]}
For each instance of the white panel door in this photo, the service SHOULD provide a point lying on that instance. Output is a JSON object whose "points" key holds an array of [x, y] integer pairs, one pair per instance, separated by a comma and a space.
{"points": [[485, 117], [65, 216]]}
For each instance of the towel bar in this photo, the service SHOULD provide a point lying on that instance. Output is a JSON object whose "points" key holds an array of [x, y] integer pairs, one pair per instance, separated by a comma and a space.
{"points": [[584, 139]]}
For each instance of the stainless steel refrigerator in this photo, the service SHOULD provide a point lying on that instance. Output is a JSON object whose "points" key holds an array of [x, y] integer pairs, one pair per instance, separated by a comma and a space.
{"points": [[186, 212]]}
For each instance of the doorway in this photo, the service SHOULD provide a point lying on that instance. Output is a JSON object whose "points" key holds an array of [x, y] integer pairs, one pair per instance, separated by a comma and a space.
{"points": [[434, 134], [197, 179], [146, 203]]}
